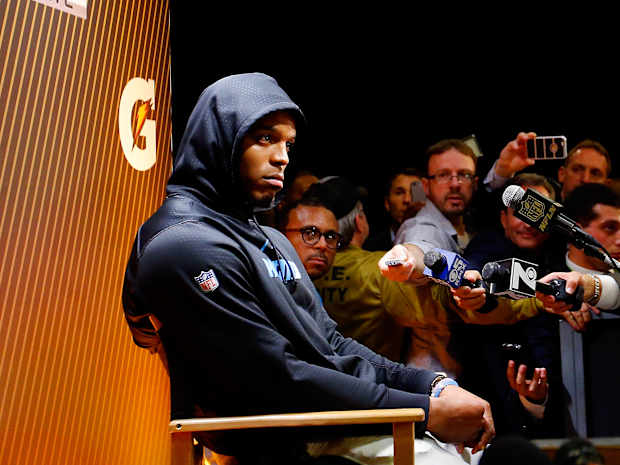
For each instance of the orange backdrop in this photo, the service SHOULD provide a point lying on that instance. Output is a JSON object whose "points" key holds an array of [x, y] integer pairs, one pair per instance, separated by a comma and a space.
{"points": [[73, 387]]}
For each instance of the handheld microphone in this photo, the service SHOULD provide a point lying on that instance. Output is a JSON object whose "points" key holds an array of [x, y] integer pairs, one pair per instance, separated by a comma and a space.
{"points": [[447, 268], [557, 288], [544, 214], [517, 279], [511, 277]]}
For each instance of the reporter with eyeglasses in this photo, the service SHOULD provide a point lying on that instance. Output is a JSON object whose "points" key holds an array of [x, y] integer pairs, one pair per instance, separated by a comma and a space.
{"points": [[449, 184], [315, 245]]}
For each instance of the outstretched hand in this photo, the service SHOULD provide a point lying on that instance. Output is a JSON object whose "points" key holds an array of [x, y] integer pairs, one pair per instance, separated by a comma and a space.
{"points": [[534, 389], [402, 263], [513, 157], [576, 319]]}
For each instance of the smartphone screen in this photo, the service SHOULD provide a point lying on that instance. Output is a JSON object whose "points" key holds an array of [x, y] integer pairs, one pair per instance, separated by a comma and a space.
{"points": [[547, 148], [417, 192]]}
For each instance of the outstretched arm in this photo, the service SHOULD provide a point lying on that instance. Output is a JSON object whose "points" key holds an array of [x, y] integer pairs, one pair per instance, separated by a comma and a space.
{"points": [[403, 263], [512, 159]]}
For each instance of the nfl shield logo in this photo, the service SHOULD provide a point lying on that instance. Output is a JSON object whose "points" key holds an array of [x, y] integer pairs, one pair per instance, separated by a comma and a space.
{"points": [[207, 281]]}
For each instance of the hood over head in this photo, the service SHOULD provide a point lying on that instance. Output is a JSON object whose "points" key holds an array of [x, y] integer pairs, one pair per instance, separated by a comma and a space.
{"points": [[207, 161]]}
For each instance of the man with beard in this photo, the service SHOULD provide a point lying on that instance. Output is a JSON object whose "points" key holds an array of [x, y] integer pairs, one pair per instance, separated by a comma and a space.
{"points": [[449, 185]]}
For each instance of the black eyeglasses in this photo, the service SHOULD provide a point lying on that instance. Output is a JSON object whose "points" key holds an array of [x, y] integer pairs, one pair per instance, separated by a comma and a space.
{"points": [[445, 178], [311, 235]]}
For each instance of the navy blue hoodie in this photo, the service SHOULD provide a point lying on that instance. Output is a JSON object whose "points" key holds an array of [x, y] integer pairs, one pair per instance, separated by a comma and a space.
{"points": [[243, 329]]}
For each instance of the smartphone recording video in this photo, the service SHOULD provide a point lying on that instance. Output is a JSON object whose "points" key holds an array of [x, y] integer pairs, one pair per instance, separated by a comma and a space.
{"points": [[417, 192], [547, 148]]}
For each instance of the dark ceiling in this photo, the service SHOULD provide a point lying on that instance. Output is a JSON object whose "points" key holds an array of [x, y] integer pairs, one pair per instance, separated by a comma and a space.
{"points": [[375, 104]]}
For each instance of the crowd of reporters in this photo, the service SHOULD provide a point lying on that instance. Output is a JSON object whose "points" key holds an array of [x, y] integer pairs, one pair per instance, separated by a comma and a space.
{"points": [[499, 345]]}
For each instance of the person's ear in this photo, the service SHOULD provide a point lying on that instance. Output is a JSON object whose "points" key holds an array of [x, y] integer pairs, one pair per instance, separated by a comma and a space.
{"points": [[503, 219], [562, 174], [425, 185], [358, 222], [386, 204]]}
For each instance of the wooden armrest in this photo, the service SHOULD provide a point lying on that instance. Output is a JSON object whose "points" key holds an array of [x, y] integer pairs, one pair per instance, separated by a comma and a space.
{"points": [[402, 427], [344, 417]]}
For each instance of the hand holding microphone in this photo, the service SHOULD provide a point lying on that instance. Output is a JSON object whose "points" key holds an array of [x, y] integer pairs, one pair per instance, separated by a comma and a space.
{"points": [[449, 268], [582, 286], [518, 279], [556, 288], [403, 263]]}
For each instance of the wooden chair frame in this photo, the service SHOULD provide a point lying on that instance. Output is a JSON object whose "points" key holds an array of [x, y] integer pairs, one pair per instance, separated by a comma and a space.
{"points": [[402, 428]]}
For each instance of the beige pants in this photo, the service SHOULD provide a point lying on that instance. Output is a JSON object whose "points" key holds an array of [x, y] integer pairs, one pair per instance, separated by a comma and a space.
{"points": [[379, 450]]}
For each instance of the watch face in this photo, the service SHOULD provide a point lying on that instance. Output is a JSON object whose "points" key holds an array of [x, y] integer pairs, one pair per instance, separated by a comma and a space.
{"points": [[435, 382]]}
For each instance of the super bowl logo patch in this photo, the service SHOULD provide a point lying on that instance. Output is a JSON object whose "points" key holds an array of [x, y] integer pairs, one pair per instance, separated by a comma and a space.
{"points": [[207, 281]]}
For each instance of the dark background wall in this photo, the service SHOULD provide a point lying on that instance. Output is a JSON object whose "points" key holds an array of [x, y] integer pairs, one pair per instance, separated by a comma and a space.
{"points": [[375, 100]]}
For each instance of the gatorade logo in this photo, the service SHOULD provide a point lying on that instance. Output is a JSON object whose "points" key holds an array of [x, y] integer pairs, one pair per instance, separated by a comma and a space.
{"points": [[77, 8], [136, 123]]}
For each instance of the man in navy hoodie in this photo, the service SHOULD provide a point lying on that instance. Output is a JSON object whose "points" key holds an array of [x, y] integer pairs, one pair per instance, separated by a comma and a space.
{"points": [[243, 330]]}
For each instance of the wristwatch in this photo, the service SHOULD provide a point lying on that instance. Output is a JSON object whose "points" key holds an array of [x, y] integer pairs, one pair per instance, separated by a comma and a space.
{"points": [[440, 382]]}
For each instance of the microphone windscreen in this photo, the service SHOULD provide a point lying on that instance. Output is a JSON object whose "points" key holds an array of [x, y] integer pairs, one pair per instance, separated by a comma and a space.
{"points": [[512, 195], [434, 260], [492, 272]]}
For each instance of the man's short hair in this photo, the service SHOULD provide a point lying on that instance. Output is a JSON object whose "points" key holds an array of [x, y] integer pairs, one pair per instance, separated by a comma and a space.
{"points": [[346, 223], [447, 144], [306, 201], [526, 180], [590, 144], [343, 198], [579, 205], [408, 171]]}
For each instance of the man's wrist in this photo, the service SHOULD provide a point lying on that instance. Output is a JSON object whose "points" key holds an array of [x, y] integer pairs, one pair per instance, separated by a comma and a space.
{"points": [[595, 295], [502, 169], [542, 401], [535, 409], [439, 383]]}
